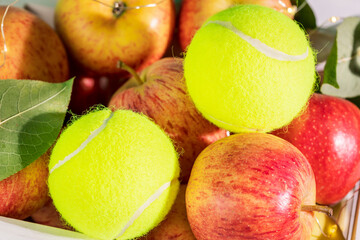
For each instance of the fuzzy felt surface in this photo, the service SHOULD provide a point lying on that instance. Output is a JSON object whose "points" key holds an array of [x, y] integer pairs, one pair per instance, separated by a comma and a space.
{"points": [[98, 190], [238, 87]]}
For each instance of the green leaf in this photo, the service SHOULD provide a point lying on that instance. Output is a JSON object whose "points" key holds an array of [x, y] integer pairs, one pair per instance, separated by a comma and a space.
{"points": [[31, 117], [343, 75], [305, 14], [330, 68]]}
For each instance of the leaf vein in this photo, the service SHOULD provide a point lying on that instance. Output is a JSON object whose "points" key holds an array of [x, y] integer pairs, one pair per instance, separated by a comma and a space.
{"points": [[33, 107]]}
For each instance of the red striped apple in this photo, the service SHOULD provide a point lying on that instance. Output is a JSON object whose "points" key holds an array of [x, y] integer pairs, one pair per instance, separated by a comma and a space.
{"points": [[194, 13], [34, 50], [161, 94], [328, 134], [98, 34], [26, 191], [251, 186]]}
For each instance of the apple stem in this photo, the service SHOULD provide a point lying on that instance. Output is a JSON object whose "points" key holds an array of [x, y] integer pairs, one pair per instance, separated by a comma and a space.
{"points": [[317, 208], [130, 70], [119, 8]]}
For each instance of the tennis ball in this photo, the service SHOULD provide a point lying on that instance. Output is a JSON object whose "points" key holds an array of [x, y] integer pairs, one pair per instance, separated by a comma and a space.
{"points": [[250, 68], [113, 175]]}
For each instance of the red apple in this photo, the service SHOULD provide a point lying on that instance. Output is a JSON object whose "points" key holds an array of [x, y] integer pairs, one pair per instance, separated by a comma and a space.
{"points": [[26, 191], [251, 186], [34, 50], [328, 134], [163, 97], [176, 225], [100, 33], [194, 13]]}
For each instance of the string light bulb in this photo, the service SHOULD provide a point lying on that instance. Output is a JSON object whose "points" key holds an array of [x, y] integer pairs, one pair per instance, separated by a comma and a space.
{"points": [[292, 10], [334, 19]]}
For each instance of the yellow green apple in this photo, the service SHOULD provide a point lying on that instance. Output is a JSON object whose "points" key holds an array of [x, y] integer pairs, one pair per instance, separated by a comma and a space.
{"points": [[98, 34]]}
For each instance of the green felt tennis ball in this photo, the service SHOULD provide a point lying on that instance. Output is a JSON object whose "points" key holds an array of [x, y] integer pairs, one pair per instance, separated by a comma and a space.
{"points": [[113, 175], [250, 68]]}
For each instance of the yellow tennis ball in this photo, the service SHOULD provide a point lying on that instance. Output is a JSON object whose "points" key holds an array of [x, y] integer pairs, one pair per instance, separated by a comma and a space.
{"points": [[250, 68], [113, 175]]}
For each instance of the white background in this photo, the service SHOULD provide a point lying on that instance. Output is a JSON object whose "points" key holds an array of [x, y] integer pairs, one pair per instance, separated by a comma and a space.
{"points": [[325, 9]]}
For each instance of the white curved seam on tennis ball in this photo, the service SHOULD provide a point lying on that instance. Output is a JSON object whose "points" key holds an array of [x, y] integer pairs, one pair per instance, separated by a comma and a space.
{"points": [[142, 208], [260, 46], [83, 144], [233, 125]]}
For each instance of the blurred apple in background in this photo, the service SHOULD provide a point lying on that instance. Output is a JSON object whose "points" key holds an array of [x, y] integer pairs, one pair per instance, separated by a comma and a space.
{"points": [[98, 34], [328, 134], [251, 186], [34, 50], [26, 191], [176, 225], [160, 93], [194, 13], [90, 90]]}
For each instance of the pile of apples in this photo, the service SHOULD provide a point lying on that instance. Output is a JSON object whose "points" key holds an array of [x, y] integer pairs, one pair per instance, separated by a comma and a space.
{"points": [[102, 44]]}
